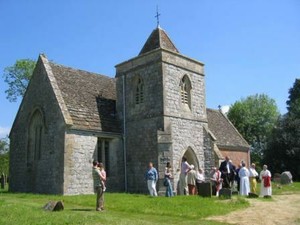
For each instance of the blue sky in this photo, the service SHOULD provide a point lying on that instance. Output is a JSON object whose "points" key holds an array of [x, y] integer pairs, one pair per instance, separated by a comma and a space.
{"points": [[248, 47]]}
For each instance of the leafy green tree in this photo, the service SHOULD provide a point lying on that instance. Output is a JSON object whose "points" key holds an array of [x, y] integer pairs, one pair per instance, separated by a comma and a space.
{"points": [[4, 163], [4, 156], [283, 151], [254, 117], [4, 145], [17, 77], [293, 104]]}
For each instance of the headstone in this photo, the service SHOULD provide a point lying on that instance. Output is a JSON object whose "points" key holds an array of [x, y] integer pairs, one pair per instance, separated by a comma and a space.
{"points": [[2, 180], [252, 195], [204, 189], [225, 193], [286, 178], [54, 206], [234, 192]]}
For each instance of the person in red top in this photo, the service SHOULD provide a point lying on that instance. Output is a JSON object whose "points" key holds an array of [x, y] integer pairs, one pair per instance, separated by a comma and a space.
{"points": [[216, 180], [265, 177]]}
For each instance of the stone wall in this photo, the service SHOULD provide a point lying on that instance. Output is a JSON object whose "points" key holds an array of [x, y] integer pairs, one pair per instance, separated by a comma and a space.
{"points": [[187, 125], [142, 147], [172, 76], [187, 139], [143, 120], [44, 175], [161, 130], [81, 151]]}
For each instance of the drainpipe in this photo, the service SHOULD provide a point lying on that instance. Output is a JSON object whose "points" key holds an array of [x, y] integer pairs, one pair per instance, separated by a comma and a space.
{"points": [[124, 132]]}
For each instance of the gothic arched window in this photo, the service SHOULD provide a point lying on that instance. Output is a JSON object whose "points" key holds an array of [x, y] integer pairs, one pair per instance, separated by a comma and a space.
{"points": [[36, 129], [139, 92], [185, 91]]}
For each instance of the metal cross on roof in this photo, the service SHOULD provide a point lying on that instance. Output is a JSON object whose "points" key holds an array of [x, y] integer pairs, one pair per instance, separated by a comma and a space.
{"points": [[157, 16]]}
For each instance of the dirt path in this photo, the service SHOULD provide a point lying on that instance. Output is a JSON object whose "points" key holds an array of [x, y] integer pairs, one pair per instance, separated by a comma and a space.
{"points": [[282, 210]]}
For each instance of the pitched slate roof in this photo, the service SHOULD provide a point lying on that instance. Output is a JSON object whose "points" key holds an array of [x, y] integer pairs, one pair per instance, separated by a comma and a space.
{"points": [[158, 39], [89, 98], [226, 134]]}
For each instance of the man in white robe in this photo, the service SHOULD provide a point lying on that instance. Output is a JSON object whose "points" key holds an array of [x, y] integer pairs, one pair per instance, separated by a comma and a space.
{"points": [[265, 177], [244, 180]]}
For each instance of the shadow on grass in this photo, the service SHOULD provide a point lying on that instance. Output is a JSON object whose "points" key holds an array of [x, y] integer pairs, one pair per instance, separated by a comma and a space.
{"points": [[82, 210]]}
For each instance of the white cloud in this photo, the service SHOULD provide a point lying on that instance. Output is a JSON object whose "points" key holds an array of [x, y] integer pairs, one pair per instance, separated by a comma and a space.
{"points": [[4, 131]]}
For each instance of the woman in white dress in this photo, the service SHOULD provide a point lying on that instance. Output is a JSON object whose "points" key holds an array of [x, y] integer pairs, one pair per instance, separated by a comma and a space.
{"points": [[265, 177], [244, 180]]}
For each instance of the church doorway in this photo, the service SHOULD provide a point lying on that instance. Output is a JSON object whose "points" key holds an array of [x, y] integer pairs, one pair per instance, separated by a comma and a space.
{"points": [[191, 158]]}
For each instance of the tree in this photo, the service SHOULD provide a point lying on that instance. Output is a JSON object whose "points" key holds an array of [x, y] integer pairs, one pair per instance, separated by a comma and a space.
{"points": [[17, 77], [283, 151], [255, 117], [3, 145], [293, 104], [4, 156]]}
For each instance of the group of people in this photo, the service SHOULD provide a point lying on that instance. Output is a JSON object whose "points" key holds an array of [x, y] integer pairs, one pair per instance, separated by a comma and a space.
{"points": [[246, 179], [226, 176], [189, 180]]}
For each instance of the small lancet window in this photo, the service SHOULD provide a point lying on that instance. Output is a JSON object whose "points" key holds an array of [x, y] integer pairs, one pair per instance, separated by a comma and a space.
{"points": [[185, 88], [36, 130], [139, 94]]}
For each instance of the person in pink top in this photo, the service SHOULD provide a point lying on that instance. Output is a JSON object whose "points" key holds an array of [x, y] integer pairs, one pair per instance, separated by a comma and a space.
{"points": [[216, 180], [185, 168], [103, 173]]}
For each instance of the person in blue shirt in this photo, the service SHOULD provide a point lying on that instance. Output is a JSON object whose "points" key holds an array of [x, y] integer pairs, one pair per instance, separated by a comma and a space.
{"points": [[151, 177]]}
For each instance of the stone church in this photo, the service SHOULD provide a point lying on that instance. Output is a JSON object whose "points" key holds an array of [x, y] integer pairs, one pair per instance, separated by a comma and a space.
{"points": [[153, 110]]}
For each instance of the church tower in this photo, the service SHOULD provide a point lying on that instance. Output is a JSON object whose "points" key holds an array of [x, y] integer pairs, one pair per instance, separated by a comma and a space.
{"points": [[161, 103]]}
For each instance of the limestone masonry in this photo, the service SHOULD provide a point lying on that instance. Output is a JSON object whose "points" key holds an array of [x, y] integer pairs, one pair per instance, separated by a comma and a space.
{"points": [[153, 110]]}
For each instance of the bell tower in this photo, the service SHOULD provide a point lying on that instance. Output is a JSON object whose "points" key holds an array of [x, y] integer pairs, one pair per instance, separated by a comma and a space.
{"points": [[161, 103]]}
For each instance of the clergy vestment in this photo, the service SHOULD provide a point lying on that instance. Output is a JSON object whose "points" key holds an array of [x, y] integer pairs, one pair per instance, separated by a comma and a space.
{"points": [[266, 188], [244, 181]]}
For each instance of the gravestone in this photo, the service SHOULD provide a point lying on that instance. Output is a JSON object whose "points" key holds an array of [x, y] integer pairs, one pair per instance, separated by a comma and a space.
{"points": [[3, 181], [204, 189], [286, 178], [54, 206], [234, 192], [225, 193], [252, 195]]}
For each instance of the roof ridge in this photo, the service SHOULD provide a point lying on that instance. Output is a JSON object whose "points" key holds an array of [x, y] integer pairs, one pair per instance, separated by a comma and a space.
{"points": [[236, 130], [80, 70], [57, 92]]}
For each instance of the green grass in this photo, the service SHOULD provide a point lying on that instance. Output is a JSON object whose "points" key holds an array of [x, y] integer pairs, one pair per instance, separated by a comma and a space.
{"points": [[120, 209], [26, 209], [278, 189]]}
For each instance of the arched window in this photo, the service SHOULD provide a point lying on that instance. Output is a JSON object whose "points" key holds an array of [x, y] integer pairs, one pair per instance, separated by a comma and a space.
{"points": [[36, 129], [139, 94], [185, 88]]}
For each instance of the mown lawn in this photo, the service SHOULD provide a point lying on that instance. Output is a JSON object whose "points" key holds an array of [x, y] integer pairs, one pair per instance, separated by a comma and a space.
{"points": [[26, 209], [120, 208], [279, 189]]}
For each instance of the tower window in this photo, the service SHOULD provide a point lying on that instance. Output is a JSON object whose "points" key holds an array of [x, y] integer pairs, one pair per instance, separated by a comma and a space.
{"points": [[185, 89], [139, 94]]}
